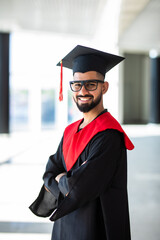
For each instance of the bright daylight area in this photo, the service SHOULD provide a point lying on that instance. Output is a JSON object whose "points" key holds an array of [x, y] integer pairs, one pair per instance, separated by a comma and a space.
{"points": [[37, 118]]}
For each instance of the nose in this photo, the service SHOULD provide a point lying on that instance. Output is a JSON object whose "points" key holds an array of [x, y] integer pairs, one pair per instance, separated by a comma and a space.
{"points": [[83, 91]]}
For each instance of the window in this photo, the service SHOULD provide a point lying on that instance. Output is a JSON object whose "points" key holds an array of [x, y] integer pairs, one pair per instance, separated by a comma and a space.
{"points": [[19, 110], [47, 108]]}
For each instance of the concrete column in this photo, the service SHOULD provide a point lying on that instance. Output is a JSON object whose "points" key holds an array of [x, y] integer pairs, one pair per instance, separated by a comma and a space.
{"points": [[4, 83], [155, 90], [135, 89]]}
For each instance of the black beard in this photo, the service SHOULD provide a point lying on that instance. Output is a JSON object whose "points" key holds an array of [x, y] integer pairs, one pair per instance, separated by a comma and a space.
{"points": [[86, 107]]}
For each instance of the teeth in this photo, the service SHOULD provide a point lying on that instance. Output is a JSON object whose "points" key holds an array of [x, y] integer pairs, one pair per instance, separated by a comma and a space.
{"points": [[84, 99]]}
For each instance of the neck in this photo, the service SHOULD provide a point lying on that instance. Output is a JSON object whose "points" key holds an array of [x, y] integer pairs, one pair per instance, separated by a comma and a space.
{"points": [[91, 115]]}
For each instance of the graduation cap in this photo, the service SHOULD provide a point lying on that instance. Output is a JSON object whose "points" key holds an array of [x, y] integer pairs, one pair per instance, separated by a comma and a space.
{"points": [[84, 59]]}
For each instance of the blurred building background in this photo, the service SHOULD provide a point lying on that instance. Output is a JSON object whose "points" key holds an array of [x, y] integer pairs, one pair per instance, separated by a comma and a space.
{"points": [[34, 36]]}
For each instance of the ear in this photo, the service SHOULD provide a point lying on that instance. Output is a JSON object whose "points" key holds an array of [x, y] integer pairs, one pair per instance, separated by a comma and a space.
{"points": [[105, 87]]}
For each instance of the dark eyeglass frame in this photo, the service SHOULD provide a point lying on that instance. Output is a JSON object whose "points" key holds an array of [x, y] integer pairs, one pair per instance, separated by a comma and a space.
{"points": [[84, 82]]}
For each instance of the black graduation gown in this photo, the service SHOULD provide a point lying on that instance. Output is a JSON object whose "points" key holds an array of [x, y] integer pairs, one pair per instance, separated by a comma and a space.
{"points": [[96, 207]]}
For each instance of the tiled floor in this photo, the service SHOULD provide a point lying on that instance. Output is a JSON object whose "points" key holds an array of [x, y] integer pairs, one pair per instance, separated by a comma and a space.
{"points": [[22, 162]]}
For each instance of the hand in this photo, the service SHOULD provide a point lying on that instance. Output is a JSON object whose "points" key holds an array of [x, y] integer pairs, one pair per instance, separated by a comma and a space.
{"points": [[46, 189], [59, 176], [83, 162]]}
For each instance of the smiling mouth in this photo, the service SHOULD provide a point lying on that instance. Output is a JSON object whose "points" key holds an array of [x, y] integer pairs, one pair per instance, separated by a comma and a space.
{"points": [[84, 98]]}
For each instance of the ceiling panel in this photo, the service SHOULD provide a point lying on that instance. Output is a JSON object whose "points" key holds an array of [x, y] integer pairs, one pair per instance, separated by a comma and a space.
{"points": [[143, 33], [129, 11], [138, 19], [64, 16]]}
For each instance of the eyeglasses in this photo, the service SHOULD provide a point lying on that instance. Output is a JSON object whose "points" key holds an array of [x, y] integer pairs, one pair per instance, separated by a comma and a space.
{"points": [[90, 85]]}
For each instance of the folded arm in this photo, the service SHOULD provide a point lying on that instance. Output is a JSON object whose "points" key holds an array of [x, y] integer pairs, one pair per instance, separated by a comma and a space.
{"points": [[92, 178]]}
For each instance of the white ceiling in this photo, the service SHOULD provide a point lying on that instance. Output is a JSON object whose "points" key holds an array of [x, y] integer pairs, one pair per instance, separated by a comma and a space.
{"points": [[138, 22], [61, 16], [129, 11], [143, 34]]}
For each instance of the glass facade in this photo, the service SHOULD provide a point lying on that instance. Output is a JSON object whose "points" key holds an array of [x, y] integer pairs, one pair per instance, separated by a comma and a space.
{"points": [[48, 110], [19, 110], [34, 84]]}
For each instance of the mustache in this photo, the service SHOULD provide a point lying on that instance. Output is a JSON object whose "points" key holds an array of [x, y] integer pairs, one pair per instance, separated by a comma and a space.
{"points": [[84, 96]]}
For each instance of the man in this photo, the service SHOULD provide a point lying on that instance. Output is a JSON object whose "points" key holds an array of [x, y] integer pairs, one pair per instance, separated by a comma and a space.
{"points": [[85, 182]]}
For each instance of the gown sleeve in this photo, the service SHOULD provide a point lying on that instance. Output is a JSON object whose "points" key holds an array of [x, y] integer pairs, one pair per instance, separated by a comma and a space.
{"points": [[53, 168], [47, 201], [91, 179]]}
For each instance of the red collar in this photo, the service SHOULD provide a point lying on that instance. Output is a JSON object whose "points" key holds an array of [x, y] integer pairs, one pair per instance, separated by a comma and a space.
{"points": [[74, 141]]}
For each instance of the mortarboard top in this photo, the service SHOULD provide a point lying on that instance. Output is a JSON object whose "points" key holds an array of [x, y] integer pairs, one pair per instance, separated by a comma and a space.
{"points": [[84, 59]]}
